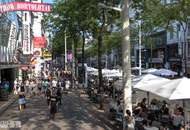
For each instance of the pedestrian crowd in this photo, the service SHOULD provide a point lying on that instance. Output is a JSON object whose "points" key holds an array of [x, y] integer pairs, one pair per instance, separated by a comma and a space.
{"points": [[51, 85]]}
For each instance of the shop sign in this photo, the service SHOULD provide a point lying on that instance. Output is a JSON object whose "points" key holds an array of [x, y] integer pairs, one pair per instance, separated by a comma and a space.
{"points": [[46, 53], [26, 39], [38, 42], [25, 6]]}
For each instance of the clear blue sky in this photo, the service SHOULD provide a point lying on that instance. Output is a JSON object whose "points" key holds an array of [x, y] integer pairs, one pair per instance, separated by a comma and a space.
{"points": [[48, 1]]}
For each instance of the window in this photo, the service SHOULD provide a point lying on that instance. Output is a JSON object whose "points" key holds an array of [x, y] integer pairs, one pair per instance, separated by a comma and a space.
{"points": [[171, 35]]}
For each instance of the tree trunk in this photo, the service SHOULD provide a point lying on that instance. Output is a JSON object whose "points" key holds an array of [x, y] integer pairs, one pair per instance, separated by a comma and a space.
{"points": [[185, 53], [127, 91], [83, 70], [100, 67], [150, 55], [99, 61], [100, 85]]}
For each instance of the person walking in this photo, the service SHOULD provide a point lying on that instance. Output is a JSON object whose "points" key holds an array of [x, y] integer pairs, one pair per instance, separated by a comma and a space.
{"points": [[53, 103], [59, 97], [48, 96], [21, 100], [16, 86], [27, 86]]}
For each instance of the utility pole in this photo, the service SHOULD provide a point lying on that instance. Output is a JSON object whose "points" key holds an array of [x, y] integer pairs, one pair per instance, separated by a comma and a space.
{"points": [[127, 92], [140, 48], [65, 51]]}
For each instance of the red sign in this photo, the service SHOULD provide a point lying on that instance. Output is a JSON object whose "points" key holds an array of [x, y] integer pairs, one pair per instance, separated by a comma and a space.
{"points": [[38, 42], [25, 6]]}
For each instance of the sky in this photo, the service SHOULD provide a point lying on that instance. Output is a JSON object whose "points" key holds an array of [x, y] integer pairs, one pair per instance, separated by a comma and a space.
{"points": [[48, 1]]}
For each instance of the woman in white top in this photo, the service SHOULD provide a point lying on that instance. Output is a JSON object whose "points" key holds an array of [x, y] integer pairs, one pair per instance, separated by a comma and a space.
{"points": [[16, 86]]}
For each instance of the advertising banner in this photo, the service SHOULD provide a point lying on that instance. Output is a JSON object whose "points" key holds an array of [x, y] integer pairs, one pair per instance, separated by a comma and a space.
{"points": [[12, 36], [39, 42], [26, 39], [25, 6]]}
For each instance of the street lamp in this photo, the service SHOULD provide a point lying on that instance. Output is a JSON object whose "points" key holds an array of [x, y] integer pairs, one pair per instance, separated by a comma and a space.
{"points": [[140, 47], [65, 50]]}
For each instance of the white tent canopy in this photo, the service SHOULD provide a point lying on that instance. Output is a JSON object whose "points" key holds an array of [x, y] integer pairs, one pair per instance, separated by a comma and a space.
{"points": [[91, 69], [150, 70], [164, 72], [148, 82], [105, 72], [174, 90]]}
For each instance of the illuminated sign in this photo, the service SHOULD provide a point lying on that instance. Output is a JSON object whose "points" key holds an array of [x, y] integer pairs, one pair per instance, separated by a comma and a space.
{"points": [[25, 6]]}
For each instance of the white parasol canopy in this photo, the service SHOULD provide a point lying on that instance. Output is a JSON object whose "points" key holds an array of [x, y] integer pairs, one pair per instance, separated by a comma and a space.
{"points": [[174, 90], [150, 70], [164, 72], [91, 69], [148, 82]]}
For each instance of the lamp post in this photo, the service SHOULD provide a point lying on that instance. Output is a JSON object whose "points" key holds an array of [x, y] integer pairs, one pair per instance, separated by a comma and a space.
{"points": [[140, 47], [65, 51]]}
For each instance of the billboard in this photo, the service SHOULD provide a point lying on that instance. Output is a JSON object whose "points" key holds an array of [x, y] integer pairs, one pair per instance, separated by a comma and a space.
{"points": [[25, 6], [39, 42]]}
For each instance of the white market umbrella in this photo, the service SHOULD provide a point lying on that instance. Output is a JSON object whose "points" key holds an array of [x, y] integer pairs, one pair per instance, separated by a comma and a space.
{"points": [[174, 90], [91, 69], [177, 89], [111, 73], [164, 72], [150, 70], [148, 81]]}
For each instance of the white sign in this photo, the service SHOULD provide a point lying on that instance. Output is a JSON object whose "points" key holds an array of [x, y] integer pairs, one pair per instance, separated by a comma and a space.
{"points": [[26, 39], [12, 36]]}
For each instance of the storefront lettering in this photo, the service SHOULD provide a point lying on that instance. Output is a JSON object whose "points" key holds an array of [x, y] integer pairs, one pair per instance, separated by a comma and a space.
{"points": [[25, 6]]}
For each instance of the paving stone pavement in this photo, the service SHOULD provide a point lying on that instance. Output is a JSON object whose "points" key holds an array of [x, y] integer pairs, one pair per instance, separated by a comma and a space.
{"points": [[77, 113]]}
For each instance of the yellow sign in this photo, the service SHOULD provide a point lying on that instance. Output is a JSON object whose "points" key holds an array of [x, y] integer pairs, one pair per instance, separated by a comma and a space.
{"points": [[46, 53]]}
